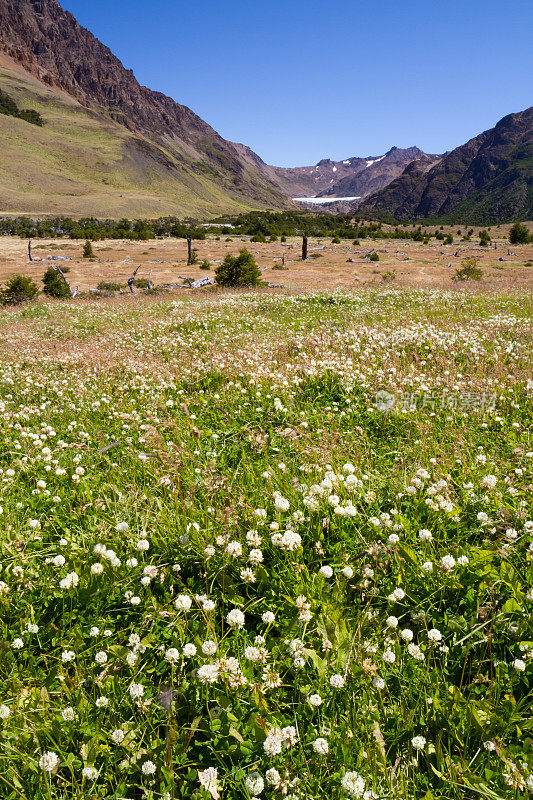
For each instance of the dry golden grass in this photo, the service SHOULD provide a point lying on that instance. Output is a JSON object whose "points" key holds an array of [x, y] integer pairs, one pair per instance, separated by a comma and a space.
{"points": [[413, 263]]}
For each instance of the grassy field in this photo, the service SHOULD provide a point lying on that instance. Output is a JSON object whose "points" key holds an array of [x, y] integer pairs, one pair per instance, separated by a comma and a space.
{"points": [[267, 545], [401, 262]]}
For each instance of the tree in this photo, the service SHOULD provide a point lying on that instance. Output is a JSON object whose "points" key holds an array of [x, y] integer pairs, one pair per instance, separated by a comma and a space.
{"points": [[519, 234], [54, 284], [469, 271], [241, 270], [18, 289], [88, 251], [484, 238]]}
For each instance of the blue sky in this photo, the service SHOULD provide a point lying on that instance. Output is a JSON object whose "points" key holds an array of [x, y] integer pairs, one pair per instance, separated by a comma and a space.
{"points": [[301, 80]]}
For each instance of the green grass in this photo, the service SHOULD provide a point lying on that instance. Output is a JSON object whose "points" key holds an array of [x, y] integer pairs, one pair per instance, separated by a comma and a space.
{"points": [[224, 425]]}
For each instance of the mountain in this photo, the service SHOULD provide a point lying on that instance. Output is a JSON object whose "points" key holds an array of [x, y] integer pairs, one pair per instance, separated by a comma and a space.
{"points": [[109, 146], [352, 177], [488, 180]]}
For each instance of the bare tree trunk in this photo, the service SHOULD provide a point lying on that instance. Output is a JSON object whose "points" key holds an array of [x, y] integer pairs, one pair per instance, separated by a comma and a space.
{"points": [[29, 251], [304, 247], [189, 250], [150, 281]]}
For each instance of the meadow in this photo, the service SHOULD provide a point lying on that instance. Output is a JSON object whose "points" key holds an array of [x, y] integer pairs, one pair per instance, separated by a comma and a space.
{"points": [[267, 545]]}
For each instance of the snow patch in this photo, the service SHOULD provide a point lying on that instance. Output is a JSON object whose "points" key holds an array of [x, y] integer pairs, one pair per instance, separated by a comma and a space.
{"points": [[374, 161], [323, 200]]}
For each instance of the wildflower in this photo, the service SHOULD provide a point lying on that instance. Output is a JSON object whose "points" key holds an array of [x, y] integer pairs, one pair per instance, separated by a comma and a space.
{"points": [[519, 665], [208, 780], [337, 681], [49, 761], [183, 602], [447, 562], [418, 742], [70, 580], [117, 736], [172, 655], [148, 768], [89, 773], [68, 714], [102, 701], [427, 567], [378, 683], [434, 635], [326, 571], [5, 712], [425, 536], [235, 619], [353, 784], [389, 657], [321, 746], [347, 572], [273, 777], [315, 700], [268, 618], [392, 622], [17, 644], [67, 655], [209, 647], [101, 657], [208, 673], [407, 635], [136, 691], [122, 527], [254, 784]]}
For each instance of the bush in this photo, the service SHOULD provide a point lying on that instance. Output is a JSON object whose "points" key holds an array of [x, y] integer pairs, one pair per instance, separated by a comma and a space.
{"points": [[356, 242], [141, 283], [109, 286], [484, 238], [519, 234], [373, 257], [335, 240], [54, 284], [469, 271], [388, 276], [18, 289], [205, 264], [88, 251], [258, 237], [448, 239], [241, 270]]}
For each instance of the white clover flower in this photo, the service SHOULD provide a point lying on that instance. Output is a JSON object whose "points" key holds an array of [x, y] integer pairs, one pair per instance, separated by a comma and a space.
{"points": [[391, 622], [268, 618], [353, 784], [58, 561], [315, 700], [519, 665], [447, 562], [393, 538], [143, 545], [235, 619], [189, 650], [273, 777], [208, 780], [102, 701], [425, 536], [208, 673], [90, 773], [101, 657], [209, 647], [326, 571], [252, 653], [378, 683], [67, 655], [418, 742], [68, 714], [117, 736], [122, 527], [17, 644], [5, 712], [389, 657], [281, 503], [463, 561], [434, 635], [49, 761], [136, 691], [148, 768], [254, 784], [255, 556], [70, 580], [321, 746], [183, 602], [489, 745], [337, 681], [407, 635], [95, 631], [427, 567], [173, 655]]}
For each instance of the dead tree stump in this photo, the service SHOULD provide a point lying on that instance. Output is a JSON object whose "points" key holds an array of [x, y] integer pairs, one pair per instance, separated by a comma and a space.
{"points": [[304, 247]]}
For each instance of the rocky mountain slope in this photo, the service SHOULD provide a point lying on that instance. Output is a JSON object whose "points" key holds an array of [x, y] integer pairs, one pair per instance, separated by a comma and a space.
{"points": [[352, 177], [485, 181], [45, 48]]}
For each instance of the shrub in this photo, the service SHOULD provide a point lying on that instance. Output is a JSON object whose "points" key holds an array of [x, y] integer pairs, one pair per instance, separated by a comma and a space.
{"points": [[448, 239], [205, 264], [469, 271], [241, 270], [18, 289], [484, 238], [388, 276], [519, 234], [373, 257], [109, 286], [335, 240], [356, 242], [258, 237], [88, 251], [141, 283], [54, 284]]}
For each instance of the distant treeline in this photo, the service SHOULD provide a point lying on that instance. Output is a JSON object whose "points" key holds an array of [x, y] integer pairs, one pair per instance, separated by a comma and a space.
{"points": [[260, 225], [10, 108]]}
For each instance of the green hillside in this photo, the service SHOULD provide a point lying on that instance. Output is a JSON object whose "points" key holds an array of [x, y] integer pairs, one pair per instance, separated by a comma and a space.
{"points": [[83, 163]]}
